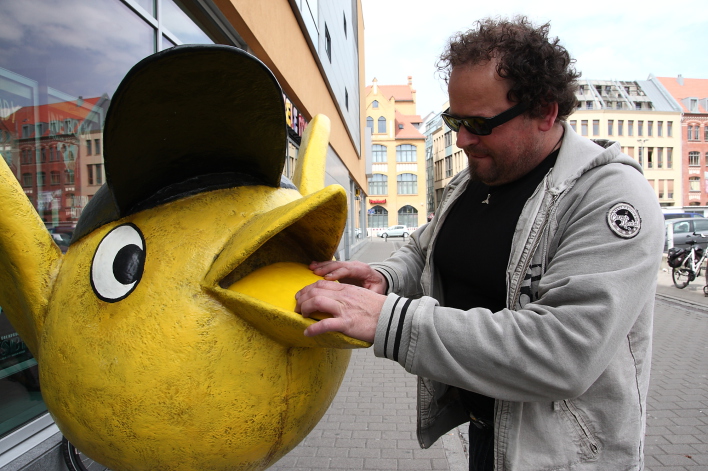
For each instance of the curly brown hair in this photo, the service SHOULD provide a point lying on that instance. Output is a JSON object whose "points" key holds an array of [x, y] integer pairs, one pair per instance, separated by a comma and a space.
{"points": [[540, 69]]}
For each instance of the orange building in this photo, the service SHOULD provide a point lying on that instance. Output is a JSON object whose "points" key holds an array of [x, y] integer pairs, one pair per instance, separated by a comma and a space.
{"points": [[397, 180]]}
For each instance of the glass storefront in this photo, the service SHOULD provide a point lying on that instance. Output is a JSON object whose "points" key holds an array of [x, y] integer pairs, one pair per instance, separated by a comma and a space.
{"points": [[60, 63]]}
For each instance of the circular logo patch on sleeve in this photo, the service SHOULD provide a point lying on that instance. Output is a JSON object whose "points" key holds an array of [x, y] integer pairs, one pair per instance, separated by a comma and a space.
{"points": [[624, 220]]}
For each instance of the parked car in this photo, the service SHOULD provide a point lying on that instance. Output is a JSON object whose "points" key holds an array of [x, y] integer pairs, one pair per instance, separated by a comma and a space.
{"points": [[394, 231], [682, 215], [683, 229]]}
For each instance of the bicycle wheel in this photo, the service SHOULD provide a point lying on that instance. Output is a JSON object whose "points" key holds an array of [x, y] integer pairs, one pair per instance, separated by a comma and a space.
{"points": [[77, 461], [682, 276]]}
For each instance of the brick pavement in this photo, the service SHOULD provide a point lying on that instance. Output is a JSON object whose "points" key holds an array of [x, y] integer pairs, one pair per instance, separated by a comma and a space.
{"points": [[371, 423]]}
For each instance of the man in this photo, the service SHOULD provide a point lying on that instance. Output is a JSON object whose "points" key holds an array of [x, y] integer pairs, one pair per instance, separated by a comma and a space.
{"points": [[525, 306]]}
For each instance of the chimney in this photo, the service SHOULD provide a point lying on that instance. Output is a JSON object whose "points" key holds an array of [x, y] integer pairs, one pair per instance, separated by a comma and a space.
{"points": [[679, 79], [80, 101], [376, 86], [410, 80]]}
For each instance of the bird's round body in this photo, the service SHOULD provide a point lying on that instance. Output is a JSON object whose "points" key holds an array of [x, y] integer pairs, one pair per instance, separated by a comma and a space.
{"points": [[172, 377]]}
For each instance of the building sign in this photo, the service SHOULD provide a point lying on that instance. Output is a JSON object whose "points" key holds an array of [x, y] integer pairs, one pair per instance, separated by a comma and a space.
{"points": [[383, 201], [293, 118]]}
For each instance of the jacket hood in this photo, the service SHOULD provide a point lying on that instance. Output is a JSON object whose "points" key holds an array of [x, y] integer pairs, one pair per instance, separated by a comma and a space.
{"points": [[578, 155]]}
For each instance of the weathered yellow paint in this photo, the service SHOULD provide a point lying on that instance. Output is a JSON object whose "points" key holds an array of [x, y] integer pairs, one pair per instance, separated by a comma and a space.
{"points": [[310, 171], [277, 284], [29, 259], [184, 373]]}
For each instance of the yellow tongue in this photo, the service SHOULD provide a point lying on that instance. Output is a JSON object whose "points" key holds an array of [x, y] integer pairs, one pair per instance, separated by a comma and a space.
{"points": [[277, 284]]}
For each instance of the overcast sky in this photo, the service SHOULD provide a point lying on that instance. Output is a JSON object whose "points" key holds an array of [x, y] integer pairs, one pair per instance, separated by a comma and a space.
{"points": [[620, 39]]}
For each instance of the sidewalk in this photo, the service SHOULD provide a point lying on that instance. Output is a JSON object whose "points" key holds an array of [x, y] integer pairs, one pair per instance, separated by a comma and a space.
{"points": [[371, 422]]}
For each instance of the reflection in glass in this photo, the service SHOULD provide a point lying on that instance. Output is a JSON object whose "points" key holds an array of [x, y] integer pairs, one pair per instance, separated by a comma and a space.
{"points": [[181, 25], [148, 5], [19, 381]]}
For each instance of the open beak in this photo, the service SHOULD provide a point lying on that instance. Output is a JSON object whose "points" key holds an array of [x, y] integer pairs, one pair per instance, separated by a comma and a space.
{"points": [[304, 230]]}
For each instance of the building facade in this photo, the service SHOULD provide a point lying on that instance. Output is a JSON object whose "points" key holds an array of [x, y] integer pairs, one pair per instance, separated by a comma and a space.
{"points": [[60, 63], [396, 190], [691, 98], [646, 127]]}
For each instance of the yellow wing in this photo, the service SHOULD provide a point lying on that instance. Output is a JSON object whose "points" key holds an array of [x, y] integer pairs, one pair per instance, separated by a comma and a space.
{"points": [[29, 259], [309, 172]]}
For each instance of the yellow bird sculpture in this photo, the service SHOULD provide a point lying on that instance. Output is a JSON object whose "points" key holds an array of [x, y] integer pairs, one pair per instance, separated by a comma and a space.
{"points": [[159, 347]]}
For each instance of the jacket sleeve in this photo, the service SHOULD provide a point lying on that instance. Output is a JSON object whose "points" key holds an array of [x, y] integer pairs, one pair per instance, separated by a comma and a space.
{"points": [[595, 286], [404, 268]]}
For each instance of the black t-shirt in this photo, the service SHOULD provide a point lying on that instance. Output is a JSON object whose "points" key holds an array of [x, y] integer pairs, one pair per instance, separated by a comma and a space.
{"points": [[472, 251]]}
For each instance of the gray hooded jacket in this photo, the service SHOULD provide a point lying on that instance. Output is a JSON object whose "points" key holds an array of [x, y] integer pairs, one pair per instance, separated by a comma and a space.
{"points": [[568, 360]]}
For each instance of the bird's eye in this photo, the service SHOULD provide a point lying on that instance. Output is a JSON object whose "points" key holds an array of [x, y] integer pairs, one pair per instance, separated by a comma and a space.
{"points": [[118, 263]]}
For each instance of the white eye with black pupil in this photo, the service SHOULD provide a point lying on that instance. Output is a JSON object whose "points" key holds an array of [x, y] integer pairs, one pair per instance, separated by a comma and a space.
{"points": [[118, 263]]}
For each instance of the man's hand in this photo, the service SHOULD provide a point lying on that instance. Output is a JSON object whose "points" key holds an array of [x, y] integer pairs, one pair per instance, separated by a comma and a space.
{"points": [[355, 310], [351, 273]]}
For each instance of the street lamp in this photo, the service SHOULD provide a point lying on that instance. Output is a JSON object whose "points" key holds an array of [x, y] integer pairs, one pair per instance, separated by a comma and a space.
{"points": [[641, 150]]}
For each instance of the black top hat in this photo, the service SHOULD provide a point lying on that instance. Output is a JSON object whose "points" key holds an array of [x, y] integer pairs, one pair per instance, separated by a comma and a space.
{"points": [[185, 120]]}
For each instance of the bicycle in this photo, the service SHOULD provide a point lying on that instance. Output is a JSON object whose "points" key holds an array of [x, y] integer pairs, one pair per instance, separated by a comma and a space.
{"points": [[687, 263], [77, 461]]}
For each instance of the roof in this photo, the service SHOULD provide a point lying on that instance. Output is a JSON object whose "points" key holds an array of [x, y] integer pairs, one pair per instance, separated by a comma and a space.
{"points": [[76, 109], [399, 92], [408, 131], [681, 88]]}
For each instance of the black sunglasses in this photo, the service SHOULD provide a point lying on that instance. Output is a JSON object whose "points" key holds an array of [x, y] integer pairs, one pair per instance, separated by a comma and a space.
{"points": [[482, 126]]}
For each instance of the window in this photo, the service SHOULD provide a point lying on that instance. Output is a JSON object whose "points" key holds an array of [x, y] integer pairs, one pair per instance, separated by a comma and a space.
{"points": [[448, 166], [595, 127], [408, 216], [670, 129], [660, 157], [55, 177], [660, 128], [669, 157], [382, 125], [630, 128], [370, 123], [406, 153], [378, 153], [27, 180], [43, 155], [650, 157], [574, 125], [689, 132], [407, 184], [97, 146], [378, 184], [620, 127], [638, 106], [40, 179], [694, 159], [89, 145], [377, 217], [696, 130], [610, 126], [588, 105], [94, 174], [584, 127], [670, 189], [694, 184], [375, 104], [328, 43], [650, 128], [448, 139], [69, 177], [640, 128], [705, 132]]}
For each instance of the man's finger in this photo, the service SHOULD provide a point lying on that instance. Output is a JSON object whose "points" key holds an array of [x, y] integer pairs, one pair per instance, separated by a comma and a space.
{"points": [[331, 324]]}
